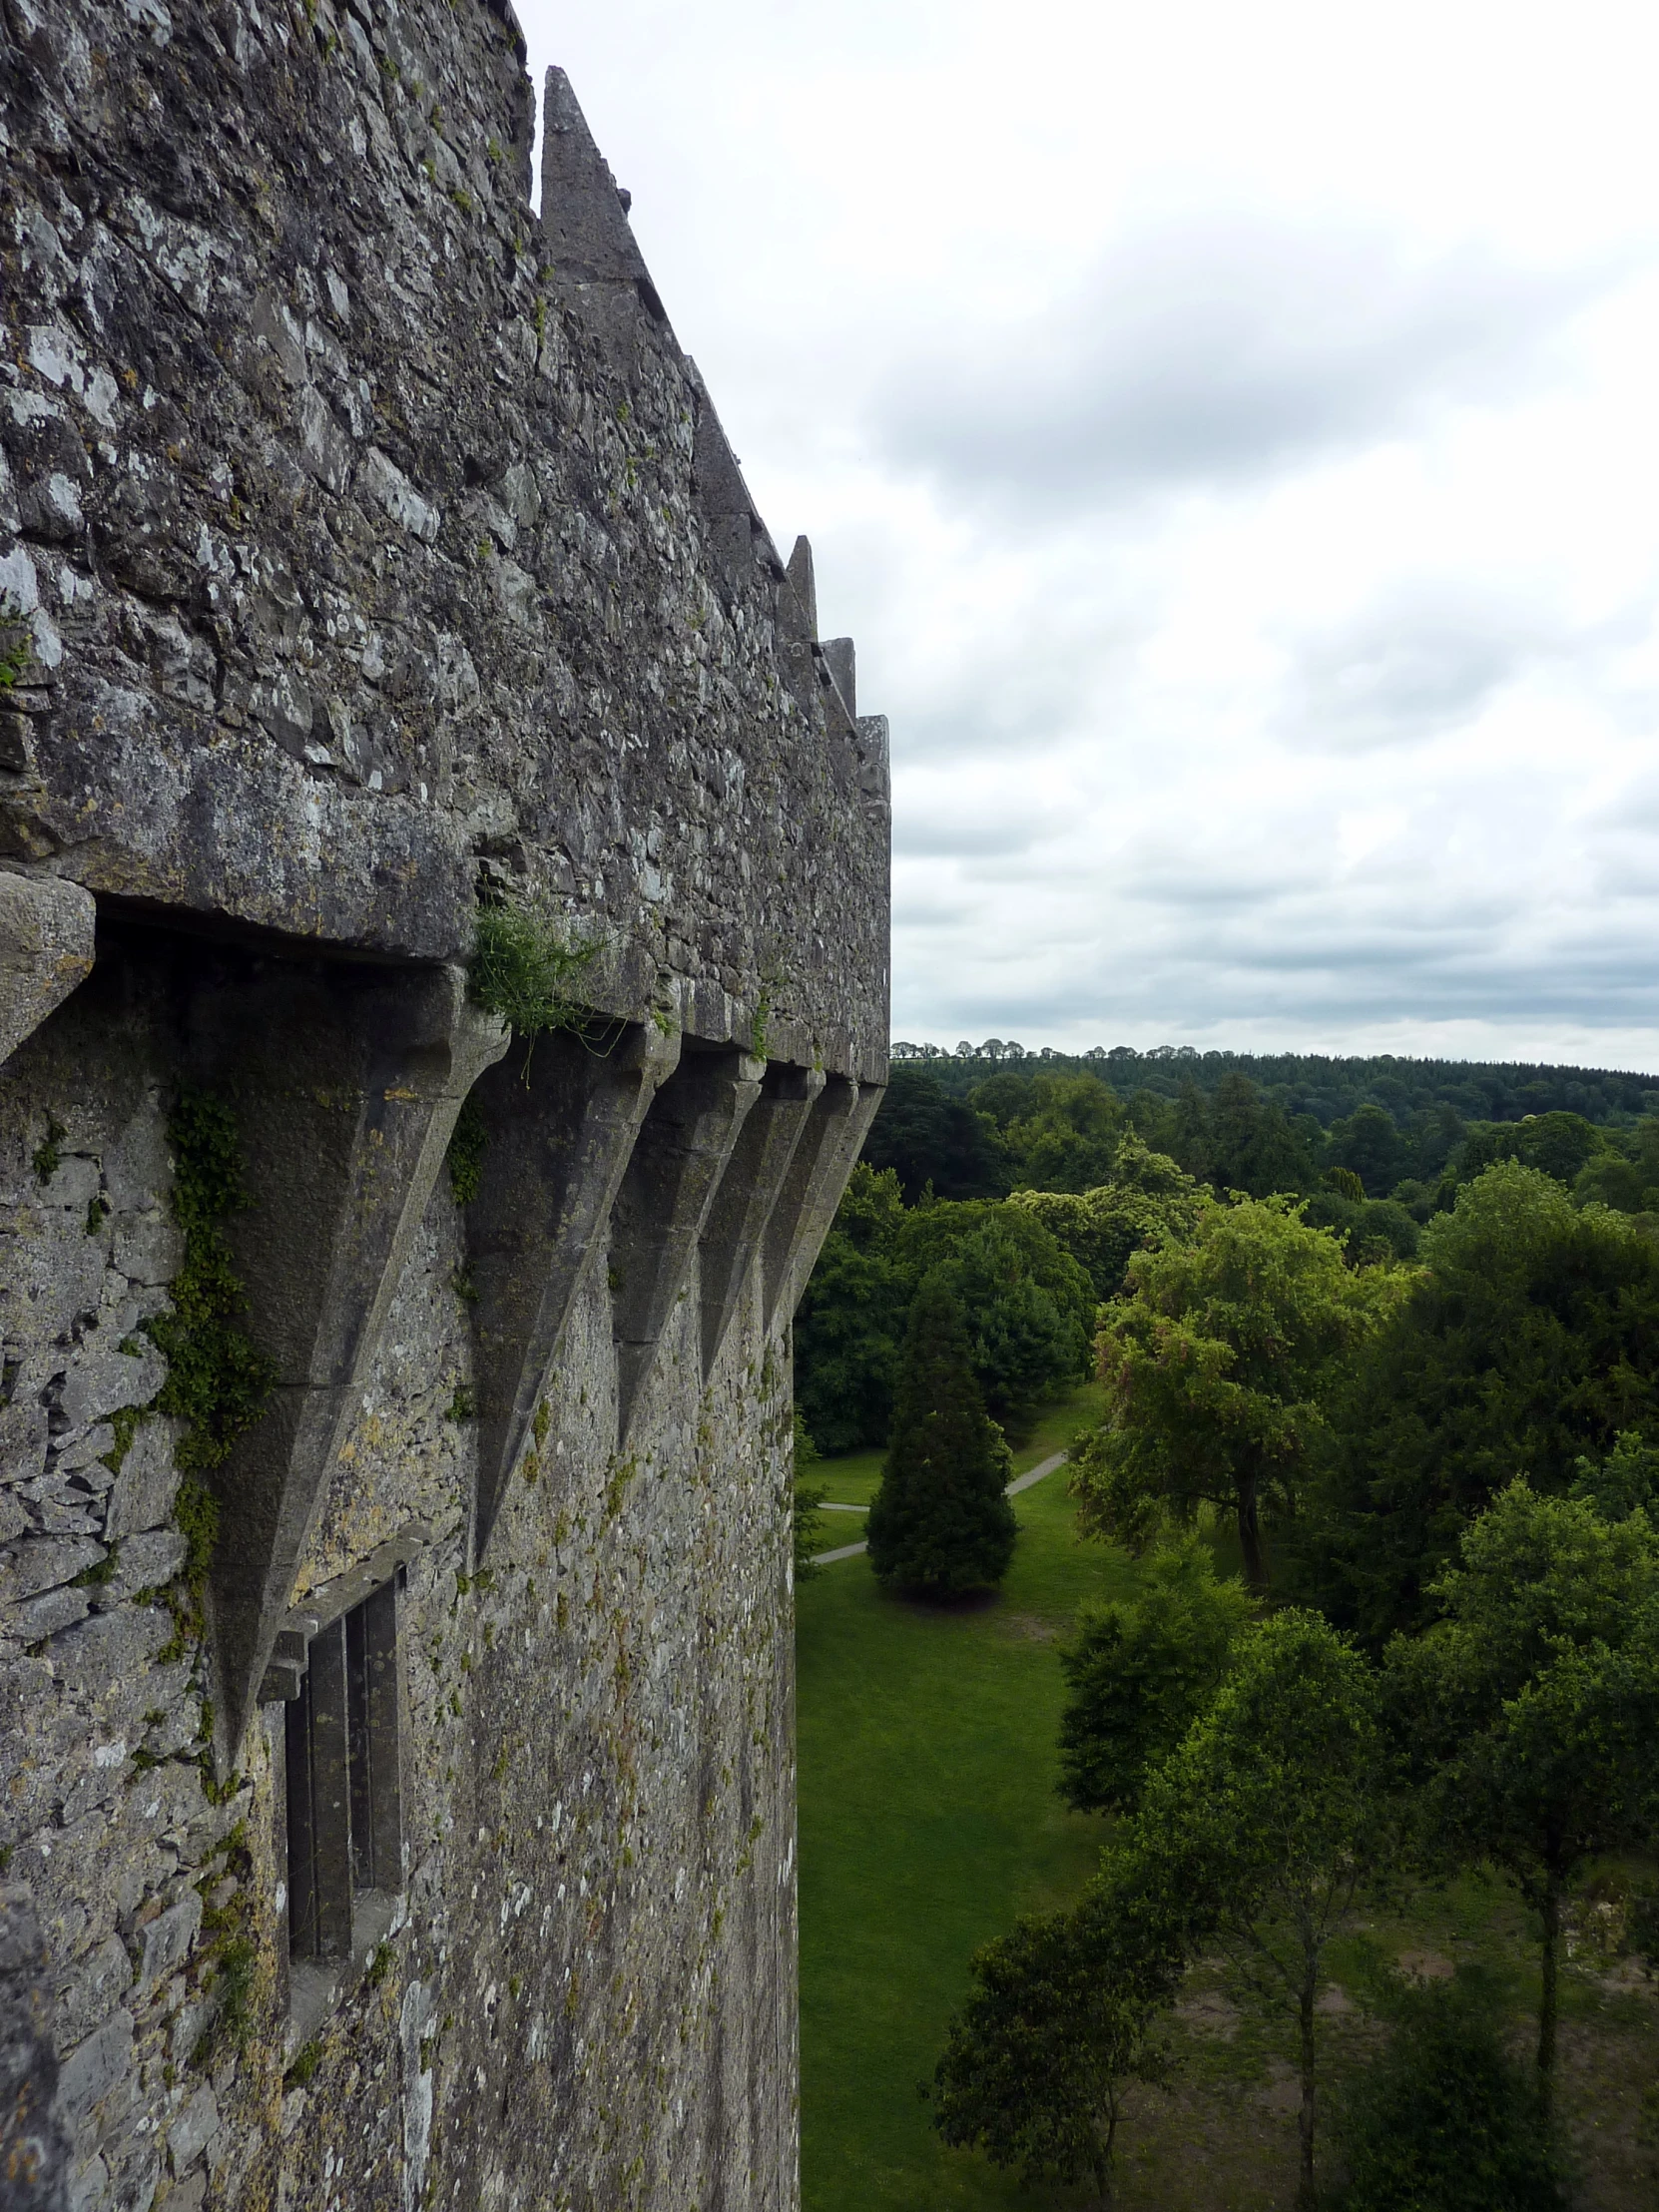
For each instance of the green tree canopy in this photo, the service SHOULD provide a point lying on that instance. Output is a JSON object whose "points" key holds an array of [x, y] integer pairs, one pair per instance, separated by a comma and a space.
{"points": [[1445, 2117], [1532, 1706], [1148, 1201], [1060, 2019], [1217, 1361], [940, 1523], [1264, 1823], [1139, 1673], [1531, 1337]]}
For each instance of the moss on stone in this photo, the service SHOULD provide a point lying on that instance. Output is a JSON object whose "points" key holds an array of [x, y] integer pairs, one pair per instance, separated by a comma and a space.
{"points": [[217, 1381]]}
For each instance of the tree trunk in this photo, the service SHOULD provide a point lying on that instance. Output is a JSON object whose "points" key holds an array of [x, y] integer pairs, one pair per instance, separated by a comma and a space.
{"points": [[1305, 2194], [1250, 1539], [1551, 1962]]}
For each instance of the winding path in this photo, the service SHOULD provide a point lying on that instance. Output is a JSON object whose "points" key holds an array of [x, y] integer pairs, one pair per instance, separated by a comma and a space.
{"points": [[851, 1551]]}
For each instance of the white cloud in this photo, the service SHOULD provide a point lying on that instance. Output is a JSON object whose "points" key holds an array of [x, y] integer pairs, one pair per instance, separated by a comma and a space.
{"points": [[1229, 434]]}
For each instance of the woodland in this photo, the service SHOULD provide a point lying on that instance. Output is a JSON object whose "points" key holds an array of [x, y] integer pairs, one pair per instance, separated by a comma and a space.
{"points": [[1376, 1347]]}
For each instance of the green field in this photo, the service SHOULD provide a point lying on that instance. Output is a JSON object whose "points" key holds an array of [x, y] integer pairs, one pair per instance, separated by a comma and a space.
{"points": [[929, 1819]]}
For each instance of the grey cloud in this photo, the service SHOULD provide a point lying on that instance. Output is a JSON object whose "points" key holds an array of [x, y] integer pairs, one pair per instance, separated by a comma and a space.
{"points": [[1219, 351]]}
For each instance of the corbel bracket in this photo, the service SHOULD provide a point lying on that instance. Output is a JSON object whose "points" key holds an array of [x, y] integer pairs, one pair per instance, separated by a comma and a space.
{"points": [[347, 1084], [748, 1191], [664, 1201], [561, 1124], [824, 1158]]}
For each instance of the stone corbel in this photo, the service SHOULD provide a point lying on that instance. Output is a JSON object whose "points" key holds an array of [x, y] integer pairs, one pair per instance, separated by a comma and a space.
{"points": [[748, 1193], [46, 948], [560, 1126], [346, 1084], [824, 1158], [664, 1201]]}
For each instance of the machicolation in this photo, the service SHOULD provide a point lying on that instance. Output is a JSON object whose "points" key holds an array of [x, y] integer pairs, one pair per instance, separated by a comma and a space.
{"points": [[395, 1410]]}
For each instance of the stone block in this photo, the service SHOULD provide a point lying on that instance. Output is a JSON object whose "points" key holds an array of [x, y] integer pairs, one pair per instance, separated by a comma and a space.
{"points": [[149, 1246], [47, 1614], [94, 1990], [146, 1562], [148, 1482], [167, 1940], [92, 2069], [193, 2131], [44, 1563], [101, 1383]]}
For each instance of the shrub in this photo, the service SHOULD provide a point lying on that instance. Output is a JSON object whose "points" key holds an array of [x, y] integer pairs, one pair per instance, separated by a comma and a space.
{"points": [[1446, 2120]]}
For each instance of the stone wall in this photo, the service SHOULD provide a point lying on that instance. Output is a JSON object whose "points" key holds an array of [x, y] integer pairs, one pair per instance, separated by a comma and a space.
{"points": [[378, 551]]}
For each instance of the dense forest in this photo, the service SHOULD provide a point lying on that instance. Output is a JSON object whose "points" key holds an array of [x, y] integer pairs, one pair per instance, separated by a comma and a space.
{"points": [[1387, 1334], [961, 1154]]}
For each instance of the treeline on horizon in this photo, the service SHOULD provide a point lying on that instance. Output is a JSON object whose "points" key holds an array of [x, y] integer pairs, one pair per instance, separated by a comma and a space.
{"points": [[953, 1177]]}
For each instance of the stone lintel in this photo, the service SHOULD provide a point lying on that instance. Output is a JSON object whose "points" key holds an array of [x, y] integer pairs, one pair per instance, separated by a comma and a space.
{"points": [[748, 1193], [561, 1124], [662, 1204]]}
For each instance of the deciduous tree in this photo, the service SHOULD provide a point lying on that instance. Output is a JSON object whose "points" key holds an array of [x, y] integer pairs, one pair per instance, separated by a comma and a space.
{"points": [[1140, 1671], [1216, 1362], [1532, 1706]]}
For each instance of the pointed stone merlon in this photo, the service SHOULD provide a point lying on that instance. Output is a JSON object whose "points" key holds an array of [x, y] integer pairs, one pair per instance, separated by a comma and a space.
{"points": [[841, 662], [46, 948], [560, 1125], [583, 218], [749, 1193], [346, 1087], [664, 1203], [811, 1188]]}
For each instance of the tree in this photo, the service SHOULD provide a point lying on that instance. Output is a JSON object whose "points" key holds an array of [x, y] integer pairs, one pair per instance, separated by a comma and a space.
{"points": [[928, 1137], [1216, 1362], [1369, 1146], [1445, 2117], [1531, 1337], [847, 1334], [808, 1496], [1028, 1308], [1251, 1146], [1061, 2019], [1140, 1671], [1264, 1823], [940, 1523], [1148, 1201], [1532, 1705]]}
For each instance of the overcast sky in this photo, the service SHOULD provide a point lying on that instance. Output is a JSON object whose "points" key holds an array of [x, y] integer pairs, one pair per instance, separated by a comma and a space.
{"points": [[1232, 437]]}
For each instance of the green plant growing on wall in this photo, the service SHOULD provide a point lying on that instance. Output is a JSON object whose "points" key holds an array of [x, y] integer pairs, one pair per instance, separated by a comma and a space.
{"points": [[466, 1153], [523, 970], [217, 1381], [16, 644]]}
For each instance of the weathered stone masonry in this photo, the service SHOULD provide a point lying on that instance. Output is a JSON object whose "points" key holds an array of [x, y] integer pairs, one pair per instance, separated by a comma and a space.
{"points": [[379, 550]]}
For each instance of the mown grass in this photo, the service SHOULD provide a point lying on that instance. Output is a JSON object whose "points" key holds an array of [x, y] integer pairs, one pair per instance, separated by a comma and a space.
{"points": [[929, 1819]]}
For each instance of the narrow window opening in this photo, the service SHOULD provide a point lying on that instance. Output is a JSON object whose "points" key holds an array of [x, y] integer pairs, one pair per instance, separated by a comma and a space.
{"points": [[345, 1826]]}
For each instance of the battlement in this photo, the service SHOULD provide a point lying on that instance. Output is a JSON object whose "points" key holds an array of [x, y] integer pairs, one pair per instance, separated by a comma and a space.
{"points": [[380, 545], [395, 1624]]}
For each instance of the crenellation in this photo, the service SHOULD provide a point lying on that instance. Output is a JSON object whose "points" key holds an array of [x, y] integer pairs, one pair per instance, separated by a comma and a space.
{"points": [[419, 1540]]}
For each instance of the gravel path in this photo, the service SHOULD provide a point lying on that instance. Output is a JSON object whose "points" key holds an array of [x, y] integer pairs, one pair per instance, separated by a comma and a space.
{"points": [[851, 1551]]}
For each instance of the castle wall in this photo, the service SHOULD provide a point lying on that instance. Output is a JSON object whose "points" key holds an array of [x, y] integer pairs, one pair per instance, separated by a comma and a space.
{"points": [[379, 550]]}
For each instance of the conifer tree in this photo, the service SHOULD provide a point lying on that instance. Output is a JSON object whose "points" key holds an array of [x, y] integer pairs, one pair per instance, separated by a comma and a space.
{"points": [[940, 1524]]}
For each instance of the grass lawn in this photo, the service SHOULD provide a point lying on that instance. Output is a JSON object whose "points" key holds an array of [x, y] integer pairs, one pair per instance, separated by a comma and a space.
{"points": [[929, 1819]]}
